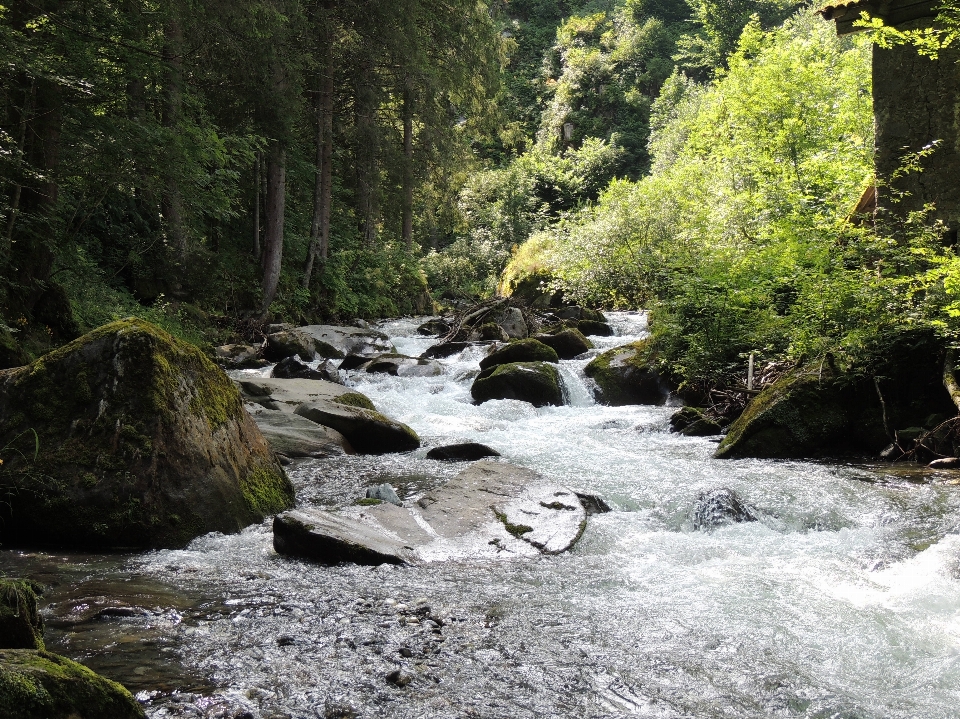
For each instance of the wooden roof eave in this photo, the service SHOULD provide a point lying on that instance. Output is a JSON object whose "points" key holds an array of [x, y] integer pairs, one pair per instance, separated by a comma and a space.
{"points": [[892, 12]]}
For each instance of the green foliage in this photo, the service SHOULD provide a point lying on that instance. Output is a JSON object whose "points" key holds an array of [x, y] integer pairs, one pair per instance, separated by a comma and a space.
{"points": [[738, 240]]}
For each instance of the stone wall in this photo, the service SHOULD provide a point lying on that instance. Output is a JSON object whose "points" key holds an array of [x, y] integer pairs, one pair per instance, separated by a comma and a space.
{"points": [[916, 101]]}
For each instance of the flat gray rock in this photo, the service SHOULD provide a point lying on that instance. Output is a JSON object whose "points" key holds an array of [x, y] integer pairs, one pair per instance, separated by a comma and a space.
{"points": [[294, 436], [288, 394], [489, 511], [335, 341]]}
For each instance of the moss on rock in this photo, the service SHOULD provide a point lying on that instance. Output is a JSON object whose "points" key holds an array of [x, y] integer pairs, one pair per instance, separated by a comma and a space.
{"points": [[628, 375], [528, 350], [40, 685], [143, 441], [535, 382], [21, 626], [355, 399]]}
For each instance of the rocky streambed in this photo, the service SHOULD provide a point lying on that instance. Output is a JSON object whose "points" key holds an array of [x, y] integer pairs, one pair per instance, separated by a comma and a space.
{"points": [[839, 599]]}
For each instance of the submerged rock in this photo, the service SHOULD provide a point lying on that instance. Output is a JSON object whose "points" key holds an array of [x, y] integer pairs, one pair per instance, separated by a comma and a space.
{"points": [[528, 350], [368, 431], [535, 382], [140, 441], [566, 343], [465, 452], [489, 511], [627, 375], [41, 685], [718, 507], [21, 626]]}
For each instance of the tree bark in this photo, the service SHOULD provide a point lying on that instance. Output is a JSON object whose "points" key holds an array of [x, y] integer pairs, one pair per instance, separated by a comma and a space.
{"points": [[257, 161], [323, 189], [172, 203], [273, 235], [407, 232], [949, 380], [367, 146]]}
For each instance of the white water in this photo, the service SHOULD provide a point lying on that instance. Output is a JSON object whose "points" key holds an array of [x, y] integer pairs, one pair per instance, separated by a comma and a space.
{"points": [[843, 602]]}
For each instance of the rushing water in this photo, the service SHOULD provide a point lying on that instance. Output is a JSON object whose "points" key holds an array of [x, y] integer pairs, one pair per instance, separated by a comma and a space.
{"points": [[844, 601]]}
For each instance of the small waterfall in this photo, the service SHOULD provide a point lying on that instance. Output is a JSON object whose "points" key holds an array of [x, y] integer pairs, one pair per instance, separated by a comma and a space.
{"points": [[576, 393]]}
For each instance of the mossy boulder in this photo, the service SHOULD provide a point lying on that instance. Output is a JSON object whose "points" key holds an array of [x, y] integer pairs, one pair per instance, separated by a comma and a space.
{"points": [[129, 437], [488, 331], [694, 422], [367, 431], [40, 685], [21, 626], [290, 343], [823, 410], [535, 382], [628, 375], [528, 350], [567, 343]]}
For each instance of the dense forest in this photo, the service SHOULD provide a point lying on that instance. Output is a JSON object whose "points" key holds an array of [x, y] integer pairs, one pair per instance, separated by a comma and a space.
{"points": [[208, 165]]}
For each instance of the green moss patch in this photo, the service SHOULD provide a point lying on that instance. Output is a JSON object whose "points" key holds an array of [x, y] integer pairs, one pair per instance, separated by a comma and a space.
{"points": [[355, 399]]}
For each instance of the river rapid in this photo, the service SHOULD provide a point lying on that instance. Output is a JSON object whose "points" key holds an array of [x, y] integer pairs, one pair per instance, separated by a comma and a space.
{"points": [[842, 602]]}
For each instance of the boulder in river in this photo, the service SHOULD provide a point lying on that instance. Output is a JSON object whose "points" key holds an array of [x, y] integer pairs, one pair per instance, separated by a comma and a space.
{"points": [[338, 342], [297, 437], [489, 511], [290, 343], [446, 349], [594, 328], [368, 431], [575, 312], [291, 368], [693, 422], [130, 437], [535, 382], [823, 409], [35, 684], [240, 356], [489, 331], [402, 366], [21, 626], [567, 343], [512, 322], [384, 493], [627, 375], [464, 452], [528, 350], [718, 507], [288, 394], [433, 327]]}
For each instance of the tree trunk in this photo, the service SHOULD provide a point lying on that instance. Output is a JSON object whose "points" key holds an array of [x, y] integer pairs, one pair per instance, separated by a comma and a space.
{"points": [[407, 232], [949, 380], [367, 146], [172, 204], [257, 161], [323, 190], [273, 235]]}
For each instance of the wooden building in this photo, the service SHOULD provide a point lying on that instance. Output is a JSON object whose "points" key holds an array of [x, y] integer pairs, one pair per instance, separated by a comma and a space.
{"points": [[916, 105]]}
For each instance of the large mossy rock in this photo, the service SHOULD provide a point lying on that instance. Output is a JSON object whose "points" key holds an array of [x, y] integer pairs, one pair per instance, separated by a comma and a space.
{"points": [[21, 626], [129, 437], [822, 410], [535, 382], [567, 343], [40, 685], [528, 350], [627, 375]]}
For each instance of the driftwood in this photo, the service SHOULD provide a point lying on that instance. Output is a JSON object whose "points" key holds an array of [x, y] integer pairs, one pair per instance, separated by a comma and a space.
{"points": [[476, 314], [949, 380]]}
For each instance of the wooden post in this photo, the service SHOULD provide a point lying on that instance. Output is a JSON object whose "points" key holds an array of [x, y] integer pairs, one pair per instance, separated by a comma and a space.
{"points": [[750, 373]]}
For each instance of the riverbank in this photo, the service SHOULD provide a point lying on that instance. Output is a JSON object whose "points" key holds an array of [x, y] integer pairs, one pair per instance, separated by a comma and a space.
{"points": [[841, 599]]}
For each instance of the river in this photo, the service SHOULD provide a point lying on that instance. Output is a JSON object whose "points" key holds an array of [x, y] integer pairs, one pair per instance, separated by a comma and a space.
{"points": [[842, 602]]}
